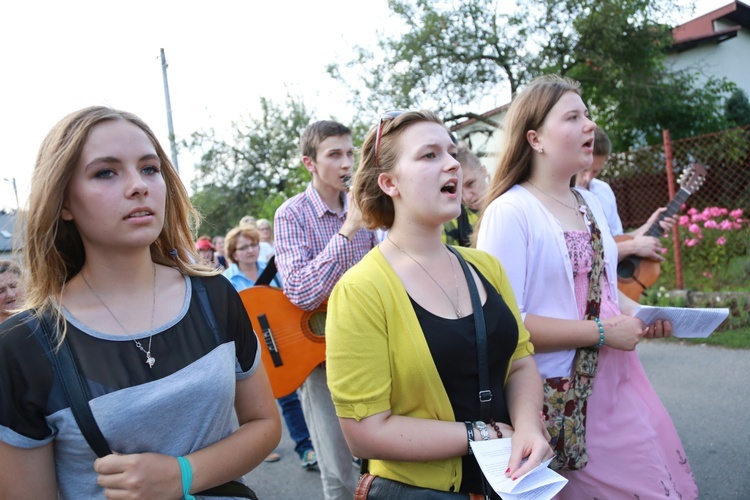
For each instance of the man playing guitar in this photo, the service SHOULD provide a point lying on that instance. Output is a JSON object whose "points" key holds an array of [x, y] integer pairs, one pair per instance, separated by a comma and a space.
{"points": [[637, 242]]}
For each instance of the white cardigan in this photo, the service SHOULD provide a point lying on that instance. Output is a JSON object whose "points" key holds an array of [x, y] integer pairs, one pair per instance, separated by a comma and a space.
{"points": [[528, 240]]}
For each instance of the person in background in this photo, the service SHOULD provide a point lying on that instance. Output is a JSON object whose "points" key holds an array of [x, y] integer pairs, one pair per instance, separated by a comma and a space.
{"points": [[207, 252], [401, 342], [319, 235], [266, 249], [218, 244], [242, 244], [162, 343], [10, 288], [459, 230], [648, 247], [541, 231], [243, 247], [266, 231]]}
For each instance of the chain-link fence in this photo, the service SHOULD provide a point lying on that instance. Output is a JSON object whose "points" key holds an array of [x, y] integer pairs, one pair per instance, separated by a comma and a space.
{"points": [[639, 178], [712, 234]]}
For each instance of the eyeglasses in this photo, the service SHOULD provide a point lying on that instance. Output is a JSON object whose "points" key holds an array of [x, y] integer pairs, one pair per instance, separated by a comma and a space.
{"points": [[247, 247], [388, 115]]}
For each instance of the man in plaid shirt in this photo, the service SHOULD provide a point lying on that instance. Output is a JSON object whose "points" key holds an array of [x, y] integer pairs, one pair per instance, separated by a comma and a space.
{"points": [[319, 235]]}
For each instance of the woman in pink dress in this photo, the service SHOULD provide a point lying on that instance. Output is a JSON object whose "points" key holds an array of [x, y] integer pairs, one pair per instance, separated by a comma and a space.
{"points": [[533, 222]]}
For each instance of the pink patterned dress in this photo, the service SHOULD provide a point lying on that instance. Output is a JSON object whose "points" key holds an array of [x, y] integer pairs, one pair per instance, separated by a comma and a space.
{"points": [[634, 450]]}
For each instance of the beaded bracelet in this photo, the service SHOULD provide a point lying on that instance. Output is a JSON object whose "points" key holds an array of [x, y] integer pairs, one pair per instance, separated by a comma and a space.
{"points": [[601, 332], [497, 429], [469, 435], [186, 471]]}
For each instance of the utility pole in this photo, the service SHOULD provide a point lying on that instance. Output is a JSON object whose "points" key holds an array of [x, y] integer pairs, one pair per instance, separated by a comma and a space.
{"points": [[172, 145], [12, 180]]}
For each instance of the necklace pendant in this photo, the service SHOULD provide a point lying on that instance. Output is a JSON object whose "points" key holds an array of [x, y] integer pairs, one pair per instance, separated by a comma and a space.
{"points": [[150, 360]]}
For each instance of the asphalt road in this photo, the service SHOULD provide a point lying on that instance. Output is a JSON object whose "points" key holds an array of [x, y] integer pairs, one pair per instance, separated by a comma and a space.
{"points": [[705, 389]]}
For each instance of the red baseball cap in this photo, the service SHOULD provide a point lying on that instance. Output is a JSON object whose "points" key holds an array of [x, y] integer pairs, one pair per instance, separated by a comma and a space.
{"points": [[204, 245]]}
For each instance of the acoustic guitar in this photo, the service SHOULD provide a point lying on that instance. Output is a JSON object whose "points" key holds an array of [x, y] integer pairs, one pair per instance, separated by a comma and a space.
{"points": [[292, 340], [635, 274]]}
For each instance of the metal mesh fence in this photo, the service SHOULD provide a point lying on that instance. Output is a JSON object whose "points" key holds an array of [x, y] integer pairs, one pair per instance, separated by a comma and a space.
{"points": [[712, 243], [639, 178]]}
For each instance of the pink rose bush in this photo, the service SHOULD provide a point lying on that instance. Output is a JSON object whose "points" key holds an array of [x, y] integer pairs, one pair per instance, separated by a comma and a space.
{"points": [[712, 240]]}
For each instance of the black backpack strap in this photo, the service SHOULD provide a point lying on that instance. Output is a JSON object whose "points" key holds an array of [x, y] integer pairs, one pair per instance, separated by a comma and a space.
{"points": [[268, 273], [208, 313], [73, 384], [485, 394]]}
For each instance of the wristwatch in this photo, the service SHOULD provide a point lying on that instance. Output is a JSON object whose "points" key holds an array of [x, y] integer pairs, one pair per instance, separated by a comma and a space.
{"points": [[482, 428]]}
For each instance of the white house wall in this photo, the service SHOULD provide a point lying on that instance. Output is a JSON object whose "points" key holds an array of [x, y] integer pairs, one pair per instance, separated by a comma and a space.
{"points": [[729, 59]]}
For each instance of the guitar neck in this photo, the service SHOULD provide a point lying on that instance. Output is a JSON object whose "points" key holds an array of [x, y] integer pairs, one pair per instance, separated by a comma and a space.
{"points": [[672, 208]]}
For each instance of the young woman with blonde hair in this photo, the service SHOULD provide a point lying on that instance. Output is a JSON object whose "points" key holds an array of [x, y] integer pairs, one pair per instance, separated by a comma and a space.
{"points": [[402, 343], [552, 239], [164, 346]]}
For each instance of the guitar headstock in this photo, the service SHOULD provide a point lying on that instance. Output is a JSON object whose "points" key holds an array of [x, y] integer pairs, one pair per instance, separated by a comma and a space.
{"points": [[692, 178]]}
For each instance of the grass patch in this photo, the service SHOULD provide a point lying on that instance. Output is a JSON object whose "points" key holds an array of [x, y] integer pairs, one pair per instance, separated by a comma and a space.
{"points": [[738, 338]]}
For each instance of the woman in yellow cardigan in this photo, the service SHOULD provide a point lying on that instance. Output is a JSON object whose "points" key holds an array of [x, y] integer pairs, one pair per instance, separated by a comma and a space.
{"points": [[401, 343]]}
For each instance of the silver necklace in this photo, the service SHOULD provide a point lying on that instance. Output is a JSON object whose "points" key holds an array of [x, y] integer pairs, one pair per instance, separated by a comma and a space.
{"points": [[455, 280], [150, 360], [575, 210]]}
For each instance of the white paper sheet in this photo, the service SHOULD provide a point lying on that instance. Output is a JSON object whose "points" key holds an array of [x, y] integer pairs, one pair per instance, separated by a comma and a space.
{"points": [[493, 456], [687, 322]]}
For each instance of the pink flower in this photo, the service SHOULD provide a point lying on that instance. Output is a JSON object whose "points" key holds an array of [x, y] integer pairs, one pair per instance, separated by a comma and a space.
{"points": [[684, 220], [736, 213], [690, 242], [726, 225], [708, 275], [736, 226], [697, 218], [692, 211], [694, 228], [721, 240], [712, 211], [711, 224], [664, 251]]}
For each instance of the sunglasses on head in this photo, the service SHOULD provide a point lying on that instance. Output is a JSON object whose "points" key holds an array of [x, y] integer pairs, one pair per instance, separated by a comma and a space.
{"points": [[390, 115]]}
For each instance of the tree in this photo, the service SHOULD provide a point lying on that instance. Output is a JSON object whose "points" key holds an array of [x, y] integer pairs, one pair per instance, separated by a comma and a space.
{"points": [[255, 171], [452, 55], [737, 108]]}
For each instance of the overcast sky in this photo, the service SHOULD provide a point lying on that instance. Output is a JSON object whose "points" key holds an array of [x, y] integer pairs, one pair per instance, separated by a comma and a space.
{"points": [[57, 57]]}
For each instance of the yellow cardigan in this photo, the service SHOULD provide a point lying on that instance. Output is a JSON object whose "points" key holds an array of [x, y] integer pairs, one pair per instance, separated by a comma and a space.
{"points": [[377, 357]]}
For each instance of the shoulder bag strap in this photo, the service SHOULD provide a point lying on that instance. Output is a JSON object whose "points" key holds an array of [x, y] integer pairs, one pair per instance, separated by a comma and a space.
{"points": [[597, 266], [485, 394], [74, 387], [587, 358]]}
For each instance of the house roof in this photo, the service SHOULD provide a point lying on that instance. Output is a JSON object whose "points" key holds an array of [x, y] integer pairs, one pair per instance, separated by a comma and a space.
{"points": [[701, 30], [487, 114]]}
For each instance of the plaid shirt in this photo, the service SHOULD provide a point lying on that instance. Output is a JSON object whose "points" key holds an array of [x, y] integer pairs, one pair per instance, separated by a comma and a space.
{"points": [[310, 254]]}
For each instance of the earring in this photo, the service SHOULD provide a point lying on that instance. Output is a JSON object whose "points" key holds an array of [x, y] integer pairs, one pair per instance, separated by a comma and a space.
{"points": [[540, 150]]}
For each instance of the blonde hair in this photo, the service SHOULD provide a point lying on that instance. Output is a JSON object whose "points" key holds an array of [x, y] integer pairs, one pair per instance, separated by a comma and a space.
{"points": [[468, 159], [54, 246], [527, 112], [376, 206], [230, 241]]}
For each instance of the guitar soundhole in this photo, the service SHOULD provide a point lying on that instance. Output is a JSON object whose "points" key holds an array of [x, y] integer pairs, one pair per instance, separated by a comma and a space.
{"points": [[317, 323], [626, 269]]}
